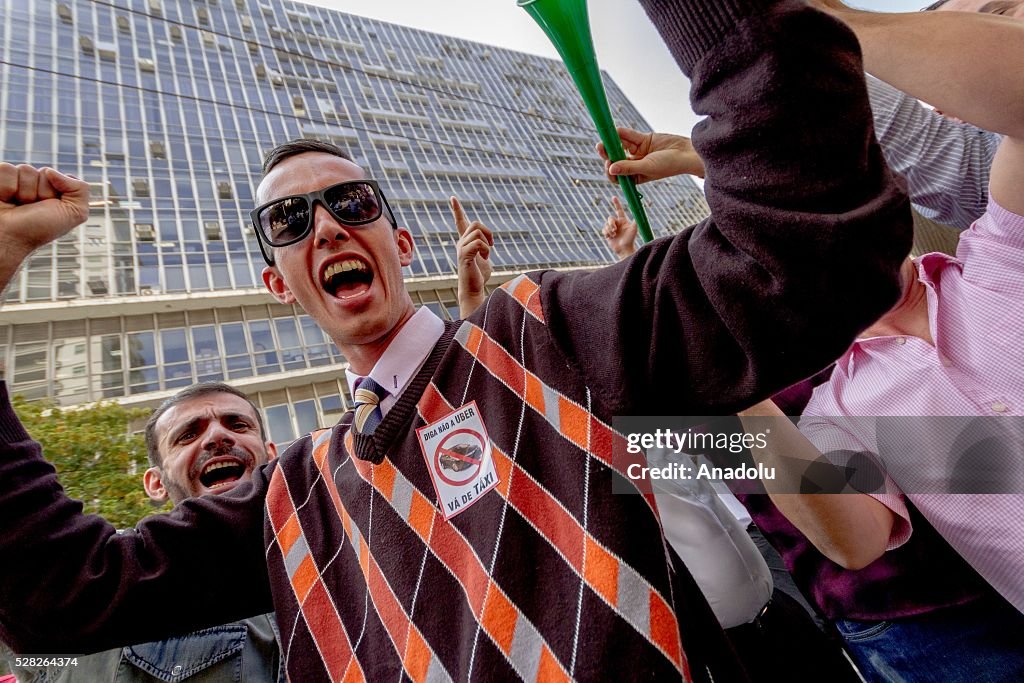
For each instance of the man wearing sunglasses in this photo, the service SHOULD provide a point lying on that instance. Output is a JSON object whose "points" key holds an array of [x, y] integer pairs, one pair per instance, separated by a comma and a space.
{"points": [[460, 522]]}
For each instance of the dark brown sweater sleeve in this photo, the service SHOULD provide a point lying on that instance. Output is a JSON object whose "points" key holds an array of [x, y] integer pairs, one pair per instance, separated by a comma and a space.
{"points": [[70, 583], [808, 226]]}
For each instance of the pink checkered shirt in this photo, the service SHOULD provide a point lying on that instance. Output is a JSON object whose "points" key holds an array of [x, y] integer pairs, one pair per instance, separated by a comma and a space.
{"points": [[976, 314]]}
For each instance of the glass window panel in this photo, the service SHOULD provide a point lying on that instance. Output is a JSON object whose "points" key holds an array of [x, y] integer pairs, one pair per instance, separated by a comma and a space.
{"points": [[239, 366], [207, 354], [221, 279], [106, 354], [112, 385], [30, 369], [234, 338], [305, 415], [175, 349], [316, 346], [143, 380], [69, 358], [291, 348], [198, 277], [332, 409], [239, 362], [311, 332], [177, 375], [107, 377], [141, 349], [175, 279], [263, 347], [279, 423], [240, 267]]}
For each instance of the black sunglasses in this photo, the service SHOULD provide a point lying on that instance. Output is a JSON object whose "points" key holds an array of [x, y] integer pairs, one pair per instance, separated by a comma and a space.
{"points": [[288, 220]]}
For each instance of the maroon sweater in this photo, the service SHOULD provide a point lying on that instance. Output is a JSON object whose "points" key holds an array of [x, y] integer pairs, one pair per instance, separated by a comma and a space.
{"points": [[549, 574]]}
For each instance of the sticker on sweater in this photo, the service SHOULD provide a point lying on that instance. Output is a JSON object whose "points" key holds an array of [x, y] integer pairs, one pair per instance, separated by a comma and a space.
{"points": [[458, 455]]}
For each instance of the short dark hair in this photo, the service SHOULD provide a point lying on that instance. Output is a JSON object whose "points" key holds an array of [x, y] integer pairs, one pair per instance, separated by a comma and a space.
{"points": [[934, 5], [194, 391], [301, 146]]}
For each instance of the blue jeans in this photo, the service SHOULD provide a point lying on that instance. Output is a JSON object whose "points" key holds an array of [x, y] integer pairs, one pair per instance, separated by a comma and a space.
{"points": [[980, 642]]}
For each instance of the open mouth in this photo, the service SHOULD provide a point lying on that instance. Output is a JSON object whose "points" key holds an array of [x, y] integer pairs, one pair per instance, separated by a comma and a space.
{"points": [[221, 472], [347, 278]]}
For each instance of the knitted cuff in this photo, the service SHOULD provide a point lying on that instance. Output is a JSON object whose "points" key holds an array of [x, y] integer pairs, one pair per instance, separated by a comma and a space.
{"points": [[691, 28]]}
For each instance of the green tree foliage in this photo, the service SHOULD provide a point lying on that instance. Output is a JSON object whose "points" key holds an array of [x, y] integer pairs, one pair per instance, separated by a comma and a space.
{"points": [[97, 460]]}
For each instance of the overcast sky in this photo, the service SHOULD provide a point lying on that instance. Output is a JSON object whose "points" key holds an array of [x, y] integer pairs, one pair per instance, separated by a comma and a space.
{"points": [[628, 47]]}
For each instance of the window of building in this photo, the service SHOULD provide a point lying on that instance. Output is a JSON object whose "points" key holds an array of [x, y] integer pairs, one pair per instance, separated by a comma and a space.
{"points": [[207, 354], [142, 372], [107, 375], [264, 348], [176, 369], [332, 409], [292, 352], [279, 423], [70, 370], [317, 347], [30, 365], [236, 347], [306, 416]]}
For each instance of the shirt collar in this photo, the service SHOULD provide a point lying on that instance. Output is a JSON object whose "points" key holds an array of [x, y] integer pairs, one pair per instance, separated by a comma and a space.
{"points": [[405, 354], [929, 268]]}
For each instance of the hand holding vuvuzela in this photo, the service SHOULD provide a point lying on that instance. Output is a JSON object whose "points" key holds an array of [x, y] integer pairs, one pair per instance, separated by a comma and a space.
{"points": [[37, 206], [652, 156], [567, 24]]}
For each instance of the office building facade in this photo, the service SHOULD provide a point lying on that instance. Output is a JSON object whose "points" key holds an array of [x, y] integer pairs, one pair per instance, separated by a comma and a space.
{"points": [[166, 108]]}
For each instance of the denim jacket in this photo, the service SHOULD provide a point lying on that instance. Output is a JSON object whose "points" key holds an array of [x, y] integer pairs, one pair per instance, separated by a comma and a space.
{"points": [[242, 651]]}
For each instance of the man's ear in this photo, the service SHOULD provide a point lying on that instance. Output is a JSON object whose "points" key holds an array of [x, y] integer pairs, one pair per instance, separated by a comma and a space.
{"points": [[406, 250], [154, 485], [274, 282], [271, 450]]}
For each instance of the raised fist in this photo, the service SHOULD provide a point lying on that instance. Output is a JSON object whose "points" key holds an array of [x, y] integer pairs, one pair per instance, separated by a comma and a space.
{"points": [[37, 206]]}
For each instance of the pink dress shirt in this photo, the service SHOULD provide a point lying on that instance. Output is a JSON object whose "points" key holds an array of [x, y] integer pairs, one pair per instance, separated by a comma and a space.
{"points": [[976, 368]]}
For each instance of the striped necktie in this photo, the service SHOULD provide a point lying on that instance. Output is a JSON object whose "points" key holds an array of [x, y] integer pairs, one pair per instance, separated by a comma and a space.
{"points": [[368, 396]]}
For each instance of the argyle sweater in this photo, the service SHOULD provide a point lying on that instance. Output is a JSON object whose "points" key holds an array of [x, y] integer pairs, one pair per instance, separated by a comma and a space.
{"points": [[549, 574]]}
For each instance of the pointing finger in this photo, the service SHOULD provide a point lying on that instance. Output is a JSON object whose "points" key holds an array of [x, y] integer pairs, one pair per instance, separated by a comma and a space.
{"points": [[617, 205], [461, 222]]}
